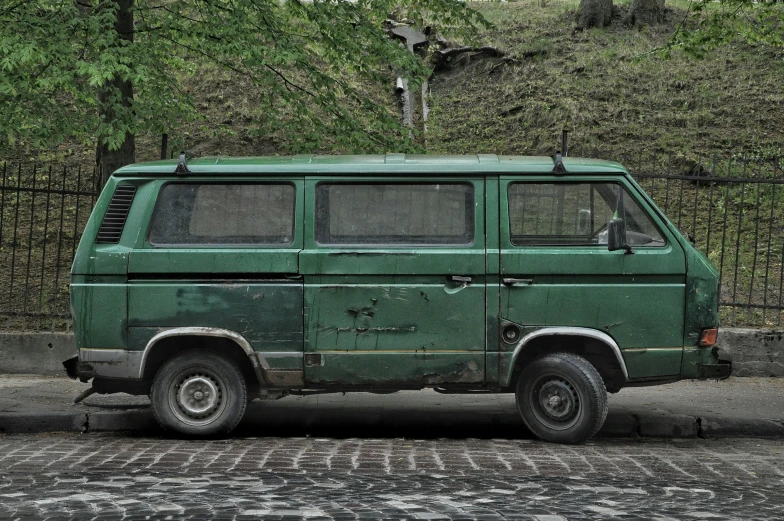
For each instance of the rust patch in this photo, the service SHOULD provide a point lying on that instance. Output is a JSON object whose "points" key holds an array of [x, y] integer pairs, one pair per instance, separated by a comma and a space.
{"points": [[461, 374], [285, 378], [375, 329]]}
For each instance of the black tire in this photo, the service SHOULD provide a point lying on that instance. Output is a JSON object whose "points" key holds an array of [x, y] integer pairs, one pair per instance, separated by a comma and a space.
{"points": [[562, 398], [198, 393]]}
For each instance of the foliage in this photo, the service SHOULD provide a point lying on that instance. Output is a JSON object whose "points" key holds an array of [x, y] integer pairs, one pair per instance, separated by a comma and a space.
{"points": [[303, 59], [710, 24]]}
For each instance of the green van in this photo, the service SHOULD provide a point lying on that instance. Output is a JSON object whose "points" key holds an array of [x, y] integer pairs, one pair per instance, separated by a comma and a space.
{"points": [[210, 283]]}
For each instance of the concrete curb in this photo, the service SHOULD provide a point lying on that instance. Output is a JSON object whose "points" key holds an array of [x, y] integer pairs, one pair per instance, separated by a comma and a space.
{"points": [[36, 422], [111, 421], [656, 425], [618, 425], [724, 428]]}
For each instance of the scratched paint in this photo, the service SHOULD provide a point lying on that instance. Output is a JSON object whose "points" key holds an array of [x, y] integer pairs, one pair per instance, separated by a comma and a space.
{"points": [[395, 317], [378, 334], [267, 314]]}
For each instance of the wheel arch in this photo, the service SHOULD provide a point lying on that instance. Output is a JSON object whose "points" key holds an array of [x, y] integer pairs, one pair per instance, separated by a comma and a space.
{"points": [[597, 347], [165, 344]]}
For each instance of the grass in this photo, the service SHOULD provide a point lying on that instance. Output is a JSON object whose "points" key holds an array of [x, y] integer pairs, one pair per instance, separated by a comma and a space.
{"points": [[608, 89]]}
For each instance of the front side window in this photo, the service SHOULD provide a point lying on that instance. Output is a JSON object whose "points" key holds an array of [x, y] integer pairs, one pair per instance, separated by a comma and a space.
{"points": [[223, 214], [575, 214], [436, 214]]}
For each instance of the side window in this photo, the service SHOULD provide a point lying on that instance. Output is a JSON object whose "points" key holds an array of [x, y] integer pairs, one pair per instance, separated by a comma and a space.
{"points": [[395, 214], [575, 214], [249, 214]]}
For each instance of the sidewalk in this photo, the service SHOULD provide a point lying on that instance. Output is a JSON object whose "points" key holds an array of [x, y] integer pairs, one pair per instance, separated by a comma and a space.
{"points": [[734, 407]]}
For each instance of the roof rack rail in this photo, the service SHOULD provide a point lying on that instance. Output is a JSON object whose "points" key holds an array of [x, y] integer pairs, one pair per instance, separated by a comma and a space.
{"points": [[182, 168], [559, 168]]}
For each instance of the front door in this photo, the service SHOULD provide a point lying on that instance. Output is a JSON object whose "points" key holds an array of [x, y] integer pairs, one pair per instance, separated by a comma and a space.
{"points": [[394, 282], [559, 272]]}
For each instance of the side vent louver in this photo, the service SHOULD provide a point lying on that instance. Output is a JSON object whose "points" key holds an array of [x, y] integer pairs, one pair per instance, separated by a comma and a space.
{"points": [[114, 220]]}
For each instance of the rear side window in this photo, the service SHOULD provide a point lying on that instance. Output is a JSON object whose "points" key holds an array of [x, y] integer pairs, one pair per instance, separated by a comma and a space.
{"points": [[216, 214], [435, 214]]}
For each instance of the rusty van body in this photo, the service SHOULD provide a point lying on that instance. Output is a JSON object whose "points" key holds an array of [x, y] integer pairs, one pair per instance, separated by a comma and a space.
{"points": [[209, 283]]}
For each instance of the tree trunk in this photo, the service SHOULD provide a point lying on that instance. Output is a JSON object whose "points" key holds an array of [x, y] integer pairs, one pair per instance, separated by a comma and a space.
{"points": [[110, 160], [593, 13], [645, 12]]}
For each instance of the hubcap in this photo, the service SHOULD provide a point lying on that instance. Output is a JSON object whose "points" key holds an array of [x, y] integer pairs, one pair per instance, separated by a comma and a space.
{"points": [[557, 399], [197, 398], [555, 402]]}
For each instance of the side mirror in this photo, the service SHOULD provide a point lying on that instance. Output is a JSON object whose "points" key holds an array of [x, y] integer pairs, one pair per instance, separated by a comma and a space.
{"points": [[616, 235]]}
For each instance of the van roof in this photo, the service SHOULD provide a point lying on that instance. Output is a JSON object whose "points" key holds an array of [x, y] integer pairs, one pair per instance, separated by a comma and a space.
{"points": [[404, 164]]}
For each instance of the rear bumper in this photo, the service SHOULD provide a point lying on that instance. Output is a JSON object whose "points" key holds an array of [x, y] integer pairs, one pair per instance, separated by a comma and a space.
{"points": [[72, 367], [78, 369]]}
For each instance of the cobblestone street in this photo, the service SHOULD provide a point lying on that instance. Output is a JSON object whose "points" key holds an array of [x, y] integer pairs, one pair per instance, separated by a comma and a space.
{"points": [[71, 476]]}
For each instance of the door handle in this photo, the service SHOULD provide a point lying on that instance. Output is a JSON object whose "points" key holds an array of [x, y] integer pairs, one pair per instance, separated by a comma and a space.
{"points": [[460, 278], [518, 282]]}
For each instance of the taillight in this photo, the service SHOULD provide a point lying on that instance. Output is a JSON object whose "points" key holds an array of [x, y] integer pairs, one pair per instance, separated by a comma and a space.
{"points": [[708, 337]]}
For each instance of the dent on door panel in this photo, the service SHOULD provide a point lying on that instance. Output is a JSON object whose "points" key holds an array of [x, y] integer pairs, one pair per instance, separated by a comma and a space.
{"points": [[403, 333]]}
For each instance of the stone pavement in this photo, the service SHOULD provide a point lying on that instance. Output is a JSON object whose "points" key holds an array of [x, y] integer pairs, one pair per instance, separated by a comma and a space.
{"points": [[122, 454], [69, 476], [752, 407]]}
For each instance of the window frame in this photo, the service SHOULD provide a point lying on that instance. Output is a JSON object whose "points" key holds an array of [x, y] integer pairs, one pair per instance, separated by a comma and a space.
{"points": [[220, 245]]}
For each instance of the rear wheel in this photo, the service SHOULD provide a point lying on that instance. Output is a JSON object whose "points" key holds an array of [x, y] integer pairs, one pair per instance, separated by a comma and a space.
{"points": [[562, 398], [199, 393]]}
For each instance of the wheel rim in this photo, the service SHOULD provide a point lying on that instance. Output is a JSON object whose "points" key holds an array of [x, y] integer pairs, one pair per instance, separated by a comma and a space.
{"points": [[555, 402], [197, 396]]}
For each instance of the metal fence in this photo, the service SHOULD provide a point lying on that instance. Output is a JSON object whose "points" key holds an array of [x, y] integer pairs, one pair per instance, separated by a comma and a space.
{"points": [[43, 212], [733, 211], [732, 208]]}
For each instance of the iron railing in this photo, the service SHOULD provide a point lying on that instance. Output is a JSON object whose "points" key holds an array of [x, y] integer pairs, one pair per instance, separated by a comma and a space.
{"points": [[43, 212], [733, 209]]}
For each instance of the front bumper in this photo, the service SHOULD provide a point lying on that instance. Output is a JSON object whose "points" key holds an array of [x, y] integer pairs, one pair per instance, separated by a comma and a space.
{"points": [[718, 371]]}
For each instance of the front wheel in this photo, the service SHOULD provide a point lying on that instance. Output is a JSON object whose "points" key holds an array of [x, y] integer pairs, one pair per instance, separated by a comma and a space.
{"points": [[562, 398], [198, 393]]}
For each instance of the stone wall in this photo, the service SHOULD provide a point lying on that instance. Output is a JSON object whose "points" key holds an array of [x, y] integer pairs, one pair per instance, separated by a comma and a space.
{"points": [[753, 352], [35, 353]]}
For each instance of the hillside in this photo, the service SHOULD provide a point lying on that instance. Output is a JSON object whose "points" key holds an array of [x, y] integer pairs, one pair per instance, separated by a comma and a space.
{"points": [[607, 88]]}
